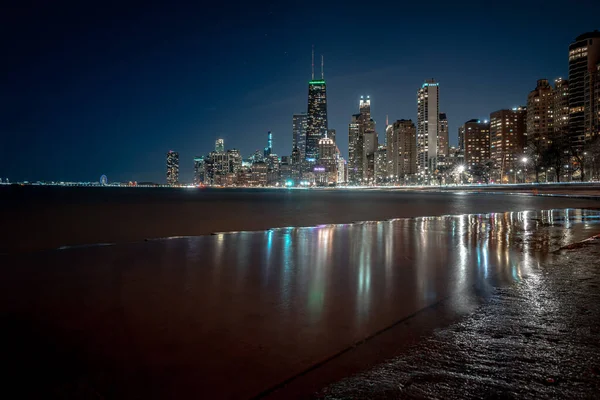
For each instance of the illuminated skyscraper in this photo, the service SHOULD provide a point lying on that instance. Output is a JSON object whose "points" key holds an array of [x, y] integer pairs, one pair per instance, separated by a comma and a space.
{"points": [[299, 133], [476, 139], [316, 118], [561, 108], [402, 150], [220, 146], [443, 139], [540, 115], [327, 161], [428, 113], [584, 55], [172, 167], [507, 140], [269, 148], [199, 170], [362, 144]]}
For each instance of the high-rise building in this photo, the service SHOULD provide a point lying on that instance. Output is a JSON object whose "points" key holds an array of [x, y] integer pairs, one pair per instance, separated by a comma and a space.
{"points": [[299, 133], [362, 144], [476, 139], [507, 140], [381, 173], [316, 118], [442, 138], [561, 108], [402, 150], [342, 170], [540, 115], [259, 174], [199, 170], [220, 146], [172, 167], [327, 161], [234, 159], [597, 100], [584, 55], [269, 149], [428, 113], [355, 154]]}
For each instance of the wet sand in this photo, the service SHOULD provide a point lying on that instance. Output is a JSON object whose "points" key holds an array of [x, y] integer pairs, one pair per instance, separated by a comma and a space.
{"points": [[536, 339], [255, 313], [37, 217]]}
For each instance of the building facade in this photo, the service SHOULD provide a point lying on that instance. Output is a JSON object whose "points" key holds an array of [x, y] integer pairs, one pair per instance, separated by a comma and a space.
{"points": [[220, 146], [584, 56], [299, 133], [476, 139], [402, 151], [561, 108], [199, 170], [507, 140], [381, 173], [316, 119], [428, 112], [443, 140], [327, 161], [540, 115], [172, 167], [362, 144]]}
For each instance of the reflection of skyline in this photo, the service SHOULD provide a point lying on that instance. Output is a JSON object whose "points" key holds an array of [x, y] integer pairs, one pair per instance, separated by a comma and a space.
{"points": [[369, 272]]}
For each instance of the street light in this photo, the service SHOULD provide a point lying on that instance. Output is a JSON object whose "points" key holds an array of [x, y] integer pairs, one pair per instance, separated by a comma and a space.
{"points": [[524, 160]]}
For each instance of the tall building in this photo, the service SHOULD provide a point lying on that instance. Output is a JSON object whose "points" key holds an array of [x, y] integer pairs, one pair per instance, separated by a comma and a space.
{"points": [[584, 55], [299, 133], [428, 113], [443, 138], [316, 118], [199, 170], [381, 173], [172, 167], [342, 170], [597, 99], [327, 161], [220, 146], [402, 150], [507, 139], [540, 115], [476, 139], [362, 144], [234, 160], [269, 149], [355, 154], [561, 108]]}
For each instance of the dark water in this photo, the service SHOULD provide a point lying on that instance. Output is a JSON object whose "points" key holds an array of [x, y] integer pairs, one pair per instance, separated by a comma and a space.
{"points": [[50, 217], [235, 315]]}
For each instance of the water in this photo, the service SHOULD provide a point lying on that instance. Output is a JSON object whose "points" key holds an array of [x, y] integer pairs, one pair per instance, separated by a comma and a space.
{"points": [[51, 217], [234, 315]]}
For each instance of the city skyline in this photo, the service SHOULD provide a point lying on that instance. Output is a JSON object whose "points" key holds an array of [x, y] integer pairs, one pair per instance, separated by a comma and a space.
{"points": [[121, 138]]}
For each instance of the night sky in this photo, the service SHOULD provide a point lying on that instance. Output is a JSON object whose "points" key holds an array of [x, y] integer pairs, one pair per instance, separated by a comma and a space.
{"points": [[91, 88]]}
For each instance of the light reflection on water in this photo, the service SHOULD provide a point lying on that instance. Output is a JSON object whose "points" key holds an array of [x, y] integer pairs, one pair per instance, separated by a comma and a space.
{"points": [[282, 299]]}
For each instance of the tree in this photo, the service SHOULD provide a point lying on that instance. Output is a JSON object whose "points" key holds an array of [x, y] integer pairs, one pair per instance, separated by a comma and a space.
{"points": [[556, 156], [483, 172], [534, 157]]}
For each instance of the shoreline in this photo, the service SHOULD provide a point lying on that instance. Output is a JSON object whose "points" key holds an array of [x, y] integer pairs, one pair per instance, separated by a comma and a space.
{"points": [[506, 347]]}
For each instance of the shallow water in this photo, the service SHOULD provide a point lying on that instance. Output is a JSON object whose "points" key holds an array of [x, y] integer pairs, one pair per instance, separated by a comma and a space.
{"points": [[233, 315]]}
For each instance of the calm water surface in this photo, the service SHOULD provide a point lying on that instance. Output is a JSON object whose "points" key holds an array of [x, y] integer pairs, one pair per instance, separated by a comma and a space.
{"points": [[232, 315]]}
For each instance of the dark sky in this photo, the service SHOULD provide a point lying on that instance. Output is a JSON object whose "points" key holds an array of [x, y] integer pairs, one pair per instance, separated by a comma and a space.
{"points": [[91, 88]]}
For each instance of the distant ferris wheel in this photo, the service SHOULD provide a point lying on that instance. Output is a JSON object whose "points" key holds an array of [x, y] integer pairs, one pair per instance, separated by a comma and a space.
{"points": [[103, 180]]}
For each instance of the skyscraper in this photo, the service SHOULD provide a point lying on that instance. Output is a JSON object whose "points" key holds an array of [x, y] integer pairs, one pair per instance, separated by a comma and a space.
{"points": [[561, 108], [355, 145], [172, 167], [443, 139], [269, 149], [507, 140], [540, 116], [327, 161], [316, 118], [428, 112], [402, 150], [381, 173], [476, 139], [220, 146], [584, 55], [299, 122], [199, 170]]}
